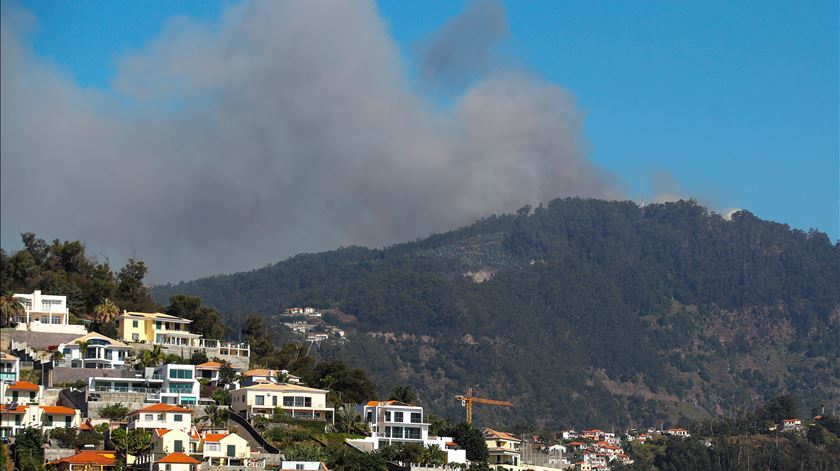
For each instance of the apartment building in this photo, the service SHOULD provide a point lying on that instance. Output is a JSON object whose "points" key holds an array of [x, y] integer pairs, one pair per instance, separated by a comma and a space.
{"points": [[14, 419], [45, 313], [169, 384], [297, 401], [94, 350]]}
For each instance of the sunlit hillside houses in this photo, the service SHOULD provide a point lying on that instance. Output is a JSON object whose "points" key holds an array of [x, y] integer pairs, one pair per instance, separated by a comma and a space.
{"points": [[297, 401], [94, 350]]}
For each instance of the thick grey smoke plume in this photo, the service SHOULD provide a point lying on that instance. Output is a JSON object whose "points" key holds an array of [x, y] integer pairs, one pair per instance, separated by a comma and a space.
{"points": [[461, 49], [290, 126]]}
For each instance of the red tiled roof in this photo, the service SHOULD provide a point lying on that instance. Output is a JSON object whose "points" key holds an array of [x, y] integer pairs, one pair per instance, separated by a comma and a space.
{"points": [[162, 431], [178, 458], [215, 437], [162, 408], [490, 433], [210, 365], [24, 386], [107, 458]]}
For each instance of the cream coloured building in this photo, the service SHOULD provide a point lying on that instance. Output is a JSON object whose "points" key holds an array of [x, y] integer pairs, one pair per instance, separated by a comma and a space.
{"points": [[161, 416], [37, 416], [295, 400]]}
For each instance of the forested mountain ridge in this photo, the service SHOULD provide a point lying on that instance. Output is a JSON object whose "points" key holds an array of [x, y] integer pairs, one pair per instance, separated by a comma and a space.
{"points": [[581, 312]]}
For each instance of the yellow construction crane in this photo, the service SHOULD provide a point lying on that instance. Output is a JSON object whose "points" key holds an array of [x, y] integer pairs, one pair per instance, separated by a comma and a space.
{"points": [[468, 399]]}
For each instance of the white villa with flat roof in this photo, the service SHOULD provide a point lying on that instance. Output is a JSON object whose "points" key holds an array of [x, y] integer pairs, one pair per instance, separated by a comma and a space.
{"points": [[9, 368], [393, 422], [169, 384], [46, 313]]}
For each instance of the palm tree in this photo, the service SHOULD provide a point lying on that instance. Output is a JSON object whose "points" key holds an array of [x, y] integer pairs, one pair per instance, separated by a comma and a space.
{"points": [[105, 312], [433, 456], [151, 358], [10, 307], [404, 394], [348, 420], [83, 347], [214, 415]]}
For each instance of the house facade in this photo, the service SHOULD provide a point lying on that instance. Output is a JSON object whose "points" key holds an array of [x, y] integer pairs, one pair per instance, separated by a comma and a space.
{"points": [[295, 400], [21, 392], [156, 328], [44, 418], [94, 350], [161, 416], [168, 383], [503, 449], [45, 313], [87, 460], [9, 368]]}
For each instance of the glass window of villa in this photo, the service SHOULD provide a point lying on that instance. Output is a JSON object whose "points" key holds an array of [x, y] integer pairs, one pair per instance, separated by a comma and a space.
{"points": [[260, 400], [398, 416], [416, 417], [160, 416], [212, 446], [412, 432], [179, 418], [135, 324], [387, 416], [179, 446], [396, 432], [49, 421], [274, 401], [67, 421], [288, 401], [231, 450], [149, 417]]}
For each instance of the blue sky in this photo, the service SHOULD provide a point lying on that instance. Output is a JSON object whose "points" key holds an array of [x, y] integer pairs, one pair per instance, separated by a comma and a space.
{"points": [[738, 101]]}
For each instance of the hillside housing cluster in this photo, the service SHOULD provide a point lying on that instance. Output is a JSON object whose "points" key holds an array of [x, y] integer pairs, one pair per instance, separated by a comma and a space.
{"points": [[82, 375]]}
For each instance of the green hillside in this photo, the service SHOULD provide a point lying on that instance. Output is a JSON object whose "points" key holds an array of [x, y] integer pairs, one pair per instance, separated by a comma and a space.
{"points": [[581, 312]]}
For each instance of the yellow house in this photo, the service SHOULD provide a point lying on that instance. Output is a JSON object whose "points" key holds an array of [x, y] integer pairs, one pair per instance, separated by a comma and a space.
{"points": [[225, 449], [174, 441], [503, 449], [156, 328]]}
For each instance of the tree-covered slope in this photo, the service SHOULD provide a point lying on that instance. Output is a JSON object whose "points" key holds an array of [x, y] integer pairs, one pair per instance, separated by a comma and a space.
{"points": [[580, 311]]}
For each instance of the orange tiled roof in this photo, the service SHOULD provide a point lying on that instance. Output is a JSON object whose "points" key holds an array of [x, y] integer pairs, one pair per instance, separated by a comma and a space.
{"points": [[161, 407], [18, 410], [107, 458], [24, 386], [178, 458], [58, 410], [257, 372], [490, 433], [215, 437], [162, 431], [210, 365]]}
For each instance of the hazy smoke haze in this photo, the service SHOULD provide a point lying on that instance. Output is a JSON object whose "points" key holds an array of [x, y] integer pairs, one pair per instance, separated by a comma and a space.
{"points": [[291, 126]]}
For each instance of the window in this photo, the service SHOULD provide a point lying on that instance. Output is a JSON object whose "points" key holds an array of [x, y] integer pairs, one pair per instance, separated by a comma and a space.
{"points": [[180, 374], [301, 401], [387, 416], [288, 401], [17, 419], [416, 417], [135, 324], [179, 418], [49, 421], [370, 416], [387, 431], [396, 432], [67, 421], [179, 446], [211, 446], [231, 450], [412, 432], [398, 416], [274, 401], [157, 325], [259, 400], [148, 417], [160, 417]]}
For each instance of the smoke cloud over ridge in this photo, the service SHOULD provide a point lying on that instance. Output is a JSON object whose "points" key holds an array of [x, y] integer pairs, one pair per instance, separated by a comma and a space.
{"points": [[290, 126]]}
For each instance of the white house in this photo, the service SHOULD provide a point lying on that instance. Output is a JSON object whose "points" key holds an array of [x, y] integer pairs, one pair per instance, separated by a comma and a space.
{"points": [[302, 465], [94, 350], [169, 383], [161, 416], [295, 400], [46, 313], [503, 449], [396, 422], [9, 368], [178, 462], [37, 416]]}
